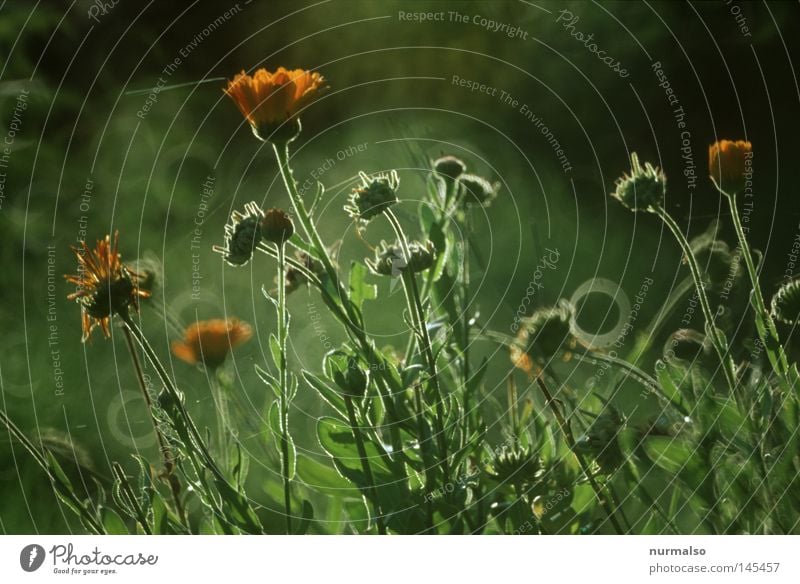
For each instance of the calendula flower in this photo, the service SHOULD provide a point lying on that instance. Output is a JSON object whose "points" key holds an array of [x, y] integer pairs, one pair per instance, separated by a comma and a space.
{"points": [[477, 190], [542, 335], [209, 341], [270, 101], [374, 196], [449, 167], [105, 285], [242, 235], [727, 164], [786, 303], [390, 261], [644, 189], [277, 226]]}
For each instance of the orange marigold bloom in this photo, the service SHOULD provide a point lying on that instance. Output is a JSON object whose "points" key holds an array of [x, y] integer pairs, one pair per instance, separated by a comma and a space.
{"points": [[269, 100], [105, 285], [209, 341], [727, 164]]}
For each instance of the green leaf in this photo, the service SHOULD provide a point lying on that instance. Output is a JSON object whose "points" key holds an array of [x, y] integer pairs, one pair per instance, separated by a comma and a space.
{"points": [[359, 289], [327, 393], [275, 350], [669, 388], [275, 425], [113, 523], [269, 381], [305, 520]]}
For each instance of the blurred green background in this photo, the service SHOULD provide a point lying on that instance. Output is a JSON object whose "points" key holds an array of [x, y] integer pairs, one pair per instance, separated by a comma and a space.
{"points": [[93, 152]]}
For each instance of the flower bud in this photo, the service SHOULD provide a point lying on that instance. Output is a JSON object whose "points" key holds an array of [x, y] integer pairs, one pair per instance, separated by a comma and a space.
{"points": [[374, 196], [644, 189], [277, 226], [786, 303], [542, 335], [242, 235], [449, 167], [352, 380], [478, 190], [390, 261]]}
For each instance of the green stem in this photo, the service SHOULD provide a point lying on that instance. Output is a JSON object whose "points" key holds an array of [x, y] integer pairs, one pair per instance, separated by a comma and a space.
{"points": [[283, 331], [720, 345], [418, 320], [768, 333], [365, 466], [223, 421], [166, 452], [567, 432], [352, 320]]}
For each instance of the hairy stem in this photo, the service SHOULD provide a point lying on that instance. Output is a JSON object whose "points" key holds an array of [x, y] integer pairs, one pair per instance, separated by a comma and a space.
{"points": [[283, 404], [365, 466], [166, 452], [717, 339], [567, 432]]}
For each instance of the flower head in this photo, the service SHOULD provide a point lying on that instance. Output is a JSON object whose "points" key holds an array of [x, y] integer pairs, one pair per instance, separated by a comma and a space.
{"points": [[277, 226], [727, 164], [516, 465], [478, 190], [786, 303], [105, 285], [449, 167], [373, 196], [209, 341], [644, 189], [544, 334], [242, 235], [390, 261], [270, 101]]}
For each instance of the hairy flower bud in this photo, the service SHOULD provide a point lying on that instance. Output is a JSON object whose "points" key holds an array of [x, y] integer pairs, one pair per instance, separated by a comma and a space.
{"points": [[277, 226], [644, 189], [449, 167], [478, 190], [390, 261], [786, 303], [242, 235], [374, 196]]}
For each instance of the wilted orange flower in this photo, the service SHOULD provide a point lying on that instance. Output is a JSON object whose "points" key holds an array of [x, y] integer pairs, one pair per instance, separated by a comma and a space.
{"points": [[268, 100], [105, 285], [726, 163], [209, 341]]}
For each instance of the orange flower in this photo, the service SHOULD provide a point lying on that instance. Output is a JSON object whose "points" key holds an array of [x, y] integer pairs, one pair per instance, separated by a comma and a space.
{"points": [[105, 285], [726, 163], [209, 341], [269, 100]]}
